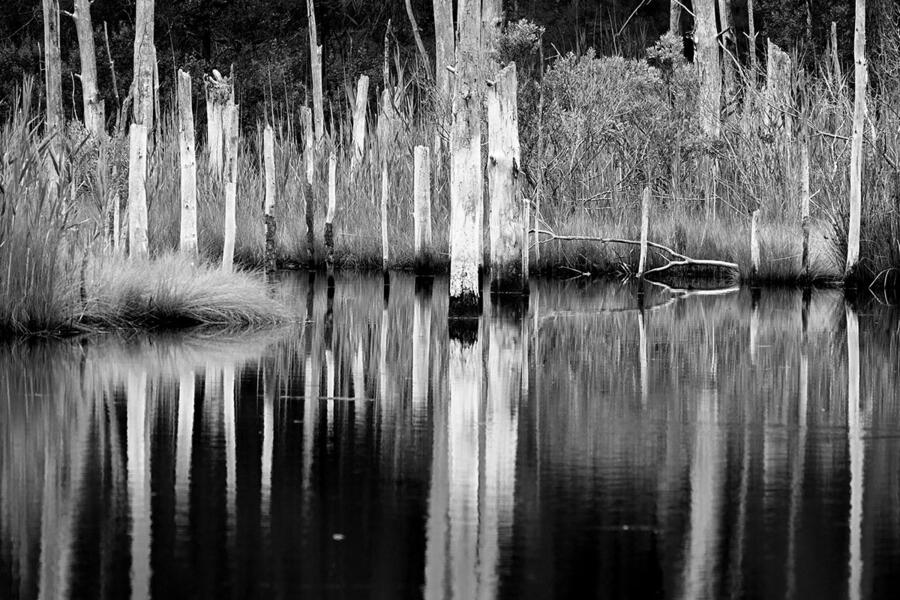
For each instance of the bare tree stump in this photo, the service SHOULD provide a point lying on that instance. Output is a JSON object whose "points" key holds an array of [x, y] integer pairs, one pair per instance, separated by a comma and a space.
{"points": [[269, 216], [187, 153], [232, 139], [422, 208], [137, 192]]}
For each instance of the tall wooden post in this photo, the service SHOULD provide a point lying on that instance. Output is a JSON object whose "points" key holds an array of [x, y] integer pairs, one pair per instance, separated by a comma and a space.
{"points": [[137, 192], [509, 222], [422, 207], [269, 216], [232, 139], [860, 78], [94, 111], [53, 80], [187, 153], [466, 177]]}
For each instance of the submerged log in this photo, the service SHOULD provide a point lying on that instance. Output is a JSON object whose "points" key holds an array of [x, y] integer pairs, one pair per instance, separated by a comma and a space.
{"points": [[187, 153], [269, 213], [422, 207], [508, 219]]}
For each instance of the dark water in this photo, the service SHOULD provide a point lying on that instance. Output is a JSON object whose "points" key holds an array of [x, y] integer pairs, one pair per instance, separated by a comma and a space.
{"points": [[738, 445]]}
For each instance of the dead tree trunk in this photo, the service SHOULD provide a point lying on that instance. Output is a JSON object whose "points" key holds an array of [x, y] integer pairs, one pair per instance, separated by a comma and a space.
{"points": [[707, 58], [444, 59], [329, 216], [315, 61], [94, 111], [138, 244], [422, 207], [219, 96], [675, 17], [751, 35], [309, 190], [728, 43], [466, 178], [860, 77], [420, 45], [805, 197], [359, 122], [779, 102], [187, 151], [144, 65], [53, 81], [232, 139], [269, 216], [509, 222]]}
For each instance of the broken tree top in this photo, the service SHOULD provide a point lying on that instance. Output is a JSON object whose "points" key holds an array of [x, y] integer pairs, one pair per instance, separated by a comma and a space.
{"points": [[218, 87]]}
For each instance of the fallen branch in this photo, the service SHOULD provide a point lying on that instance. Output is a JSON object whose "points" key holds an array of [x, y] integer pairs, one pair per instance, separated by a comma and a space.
{"points": [[682, 260]]}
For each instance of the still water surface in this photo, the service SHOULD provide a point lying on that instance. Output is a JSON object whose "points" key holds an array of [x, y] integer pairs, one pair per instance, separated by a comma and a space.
{"points": [[739, 445]]}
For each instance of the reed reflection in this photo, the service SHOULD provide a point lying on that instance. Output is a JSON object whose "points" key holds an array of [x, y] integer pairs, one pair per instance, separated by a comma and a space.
{"points": [[594, 446]]}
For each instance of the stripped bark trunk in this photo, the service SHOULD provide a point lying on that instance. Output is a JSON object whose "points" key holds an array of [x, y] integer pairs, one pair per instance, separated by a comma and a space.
{"points": [[422, 207], [385, 189], [94, 111], [359, 122], [269, 160], [860, 77], [219, 96], [315, 60], [728, 42], [804, 201], [751, 30], [309, 155], [445, 48], [53, 81], [466, 178], [137, 192], [232, 139], [835, 58], [754, 243], [779, 103], [707, 58], [332, 208], [645, 230], [187, 151], [420, 45], [509, 222], [144, 65], [675, 17]]}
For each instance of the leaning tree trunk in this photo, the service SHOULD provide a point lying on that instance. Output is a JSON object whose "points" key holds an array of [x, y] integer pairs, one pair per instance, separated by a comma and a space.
{"points": [[94, 111], [315, 61], [53, 71], [751, 32], [420, 45], [144, 65], [466, 178], [861, 75]]}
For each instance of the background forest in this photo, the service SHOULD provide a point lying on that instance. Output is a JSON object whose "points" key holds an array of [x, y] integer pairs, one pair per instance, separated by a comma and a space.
{"points": [[266, 40]]}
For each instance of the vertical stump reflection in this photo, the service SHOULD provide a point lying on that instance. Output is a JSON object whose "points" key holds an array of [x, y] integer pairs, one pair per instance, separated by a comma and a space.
{"points": [[857, 456], [139, 483], [470, 506]]}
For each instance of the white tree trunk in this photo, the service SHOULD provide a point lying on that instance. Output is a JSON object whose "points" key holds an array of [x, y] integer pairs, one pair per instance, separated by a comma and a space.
{"points": [[55, 123], [137, 192], [707, 59], [315, 60], [645, 230], [144, 64], [861, 77], [754, 243], [332, 209], [269, 216], [466, 177], [94, 111], [727, 37], [509, 223], [675, 17], [187, 150], [856, 450], [751, 32], [219, 96], [422, 206], [420, 45], [445, 48], [306, 122], [385, 190], [779, 102], [359, 121], [805, 197], [232, 139], [835, 57]]}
